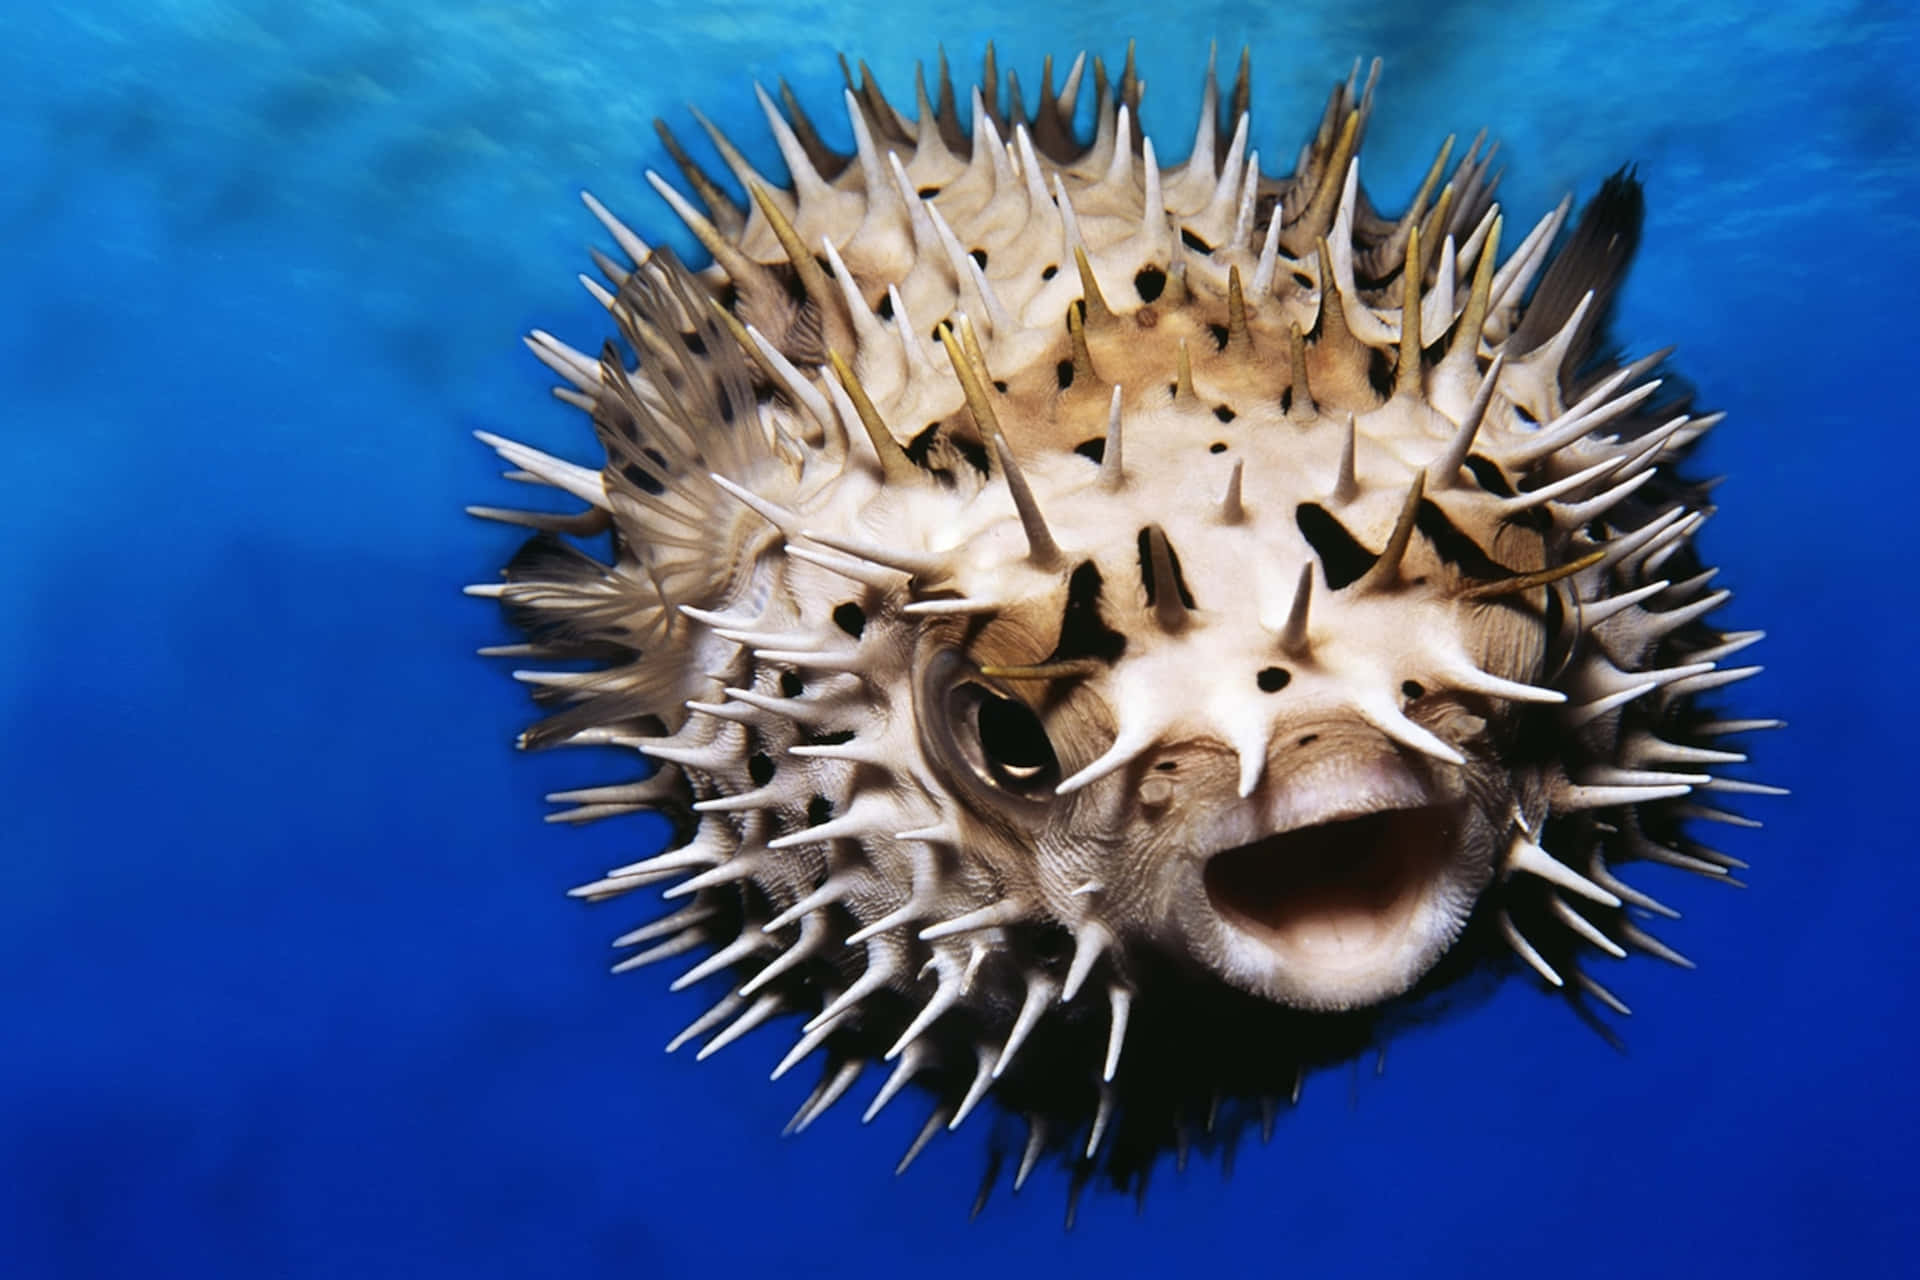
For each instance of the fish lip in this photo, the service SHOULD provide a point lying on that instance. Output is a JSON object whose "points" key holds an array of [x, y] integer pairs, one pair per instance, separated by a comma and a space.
{"points": [[1390, 786], [1333, 789], [1291, 918]]}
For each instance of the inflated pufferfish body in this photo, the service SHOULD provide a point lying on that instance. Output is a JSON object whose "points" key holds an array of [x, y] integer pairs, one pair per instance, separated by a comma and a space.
{"points": [[1109, 631]]}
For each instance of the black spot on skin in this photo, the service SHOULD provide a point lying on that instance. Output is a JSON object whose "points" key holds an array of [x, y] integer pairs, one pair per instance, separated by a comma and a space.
{"points": [[760, 768], [1218, 446], [1095, 449], [979, 256], [1063, 374], [639, 477], [1302, 279], [973, 451], [1380, 372], [1412, 689], [833, 739], [791, 685], [1309, 739], [1049, 271], [819, 809], [850, 618], [1272, 679], [1166, 766], [1455, 547], [919, 450], [928, 193], [1143, 540], [884, 308], [1000, 386], [1489, 476], [1083, 633], [1223, 413], [1149, 283], [1342, 558]]}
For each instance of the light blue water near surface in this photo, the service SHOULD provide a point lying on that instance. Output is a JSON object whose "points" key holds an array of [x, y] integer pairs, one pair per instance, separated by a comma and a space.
{"points": [[289, 987]]}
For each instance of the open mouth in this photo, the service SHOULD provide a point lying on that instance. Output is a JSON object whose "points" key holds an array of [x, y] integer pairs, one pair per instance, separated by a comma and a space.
{"points": [[1335, 895]]}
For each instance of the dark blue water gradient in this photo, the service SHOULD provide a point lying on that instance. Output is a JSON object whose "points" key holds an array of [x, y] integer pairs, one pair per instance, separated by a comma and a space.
{"points": [[289, 985]]}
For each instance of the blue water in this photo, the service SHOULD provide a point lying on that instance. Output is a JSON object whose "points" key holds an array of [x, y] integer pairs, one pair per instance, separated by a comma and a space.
{"points": [[288, 984]]}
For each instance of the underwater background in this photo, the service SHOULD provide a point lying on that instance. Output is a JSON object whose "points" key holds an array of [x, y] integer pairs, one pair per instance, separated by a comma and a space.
{"points": [[288, 982]]}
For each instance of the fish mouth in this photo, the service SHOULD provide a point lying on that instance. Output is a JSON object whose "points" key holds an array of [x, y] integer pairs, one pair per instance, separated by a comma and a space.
{"points": [[1341, 887], [1339, 896]]}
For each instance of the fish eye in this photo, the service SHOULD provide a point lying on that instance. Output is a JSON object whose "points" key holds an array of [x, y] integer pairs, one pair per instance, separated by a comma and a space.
{"points": [[1013, 743], [1001, 741]]}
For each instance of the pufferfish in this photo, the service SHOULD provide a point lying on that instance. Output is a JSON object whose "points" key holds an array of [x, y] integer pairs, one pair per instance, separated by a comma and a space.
{"points": [[1112, 637]]}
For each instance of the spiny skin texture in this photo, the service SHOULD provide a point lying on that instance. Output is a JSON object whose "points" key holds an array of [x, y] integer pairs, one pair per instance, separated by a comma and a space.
{"points": [[1114, 637]]}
